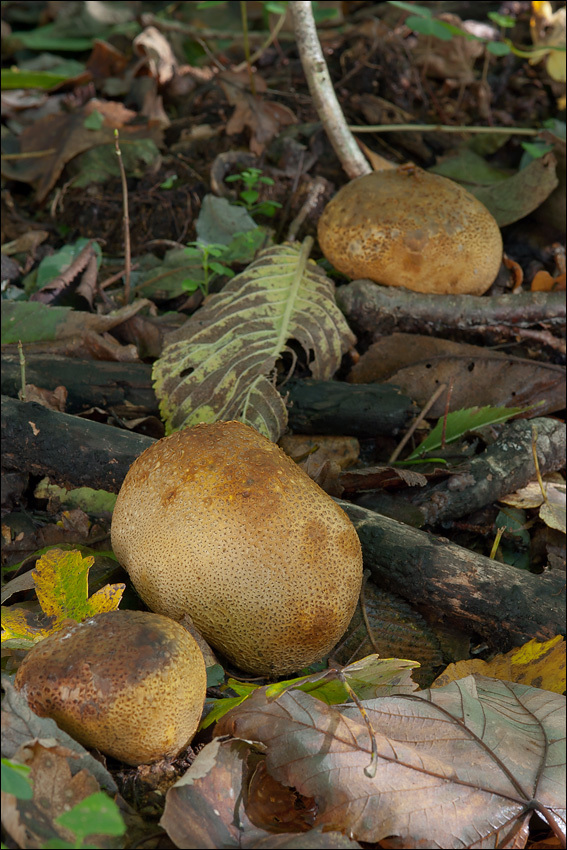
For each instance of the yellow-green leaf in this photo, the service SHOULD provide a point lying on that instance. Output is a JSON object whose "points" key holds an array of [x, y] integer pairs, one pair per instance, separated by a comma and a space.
{"points": [[540, 665], [61, 583]]}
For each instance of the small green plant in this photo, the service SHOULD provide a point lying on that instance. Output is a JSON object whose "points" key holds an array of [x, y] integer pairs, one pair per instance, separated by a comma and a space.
{"points": [[207, 254], [97, 814], [252, 178]]}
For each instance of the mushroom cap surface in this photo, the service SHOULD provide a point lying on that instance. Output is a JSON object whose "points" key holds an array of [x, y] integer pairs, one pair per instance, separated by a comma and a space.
{"points": [[217, 522], [408, 227], [130, 683]]}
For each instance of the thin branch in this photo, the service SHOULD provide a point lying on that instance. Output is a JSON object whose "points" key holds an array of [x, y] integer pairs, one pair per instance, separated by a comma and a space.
{"points": [[322, 91], [442, 128], [126, 220]]}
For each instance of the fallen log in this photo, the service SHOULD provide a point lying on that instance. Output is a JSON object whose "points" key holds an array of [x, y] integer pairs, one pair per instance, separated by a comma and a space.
{"points": [[506, 606], [314, 407]]}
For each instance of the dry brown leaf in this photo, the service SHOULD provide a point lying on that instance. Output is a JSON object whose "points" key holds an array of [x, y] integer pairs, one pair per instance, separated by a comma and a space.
{"points": [[456, 766], [479, 377], [57, 139], [32, 822], [264, 118]]}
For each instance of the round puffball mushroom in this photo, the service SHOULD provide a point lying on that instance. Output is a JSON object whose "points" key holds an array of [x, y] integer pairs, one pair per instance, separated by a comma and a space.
{"points": [[130, 683], [217, 522], [408, 227]]}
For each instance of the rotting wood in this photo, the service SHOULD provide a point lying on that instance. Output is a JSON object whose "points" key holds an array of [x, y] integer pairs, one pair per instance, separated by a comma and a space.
{"points": [[506, 606], [315, 407], [505, 466], [72, 451], [375, 309]]}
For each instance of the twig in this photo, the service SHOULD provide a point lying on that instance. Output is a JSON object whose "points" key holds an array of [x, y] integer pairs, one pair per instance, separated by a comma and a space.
{"points": [[126, 219], [442, 128], [321, 88], [316, 190], [271, 38], [22, 393], [415, 425], [244, 19]]}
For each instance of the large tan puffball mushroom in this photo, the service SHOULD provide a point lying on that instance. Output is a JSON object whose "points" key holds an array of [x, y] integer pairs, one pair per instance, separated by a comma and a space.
{"points": [[130, 683], [408, 227], [217, 522]]}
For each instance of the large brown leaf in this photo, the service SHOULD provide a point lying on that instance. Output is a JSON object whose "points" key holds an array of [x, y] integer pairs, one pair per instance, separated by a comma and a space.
{"points": [[460, 766], [420, 364]]}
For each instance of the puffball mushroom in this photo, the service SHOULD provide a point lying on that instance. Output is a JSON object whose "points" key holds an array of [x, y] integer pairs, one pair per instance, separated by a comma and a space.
{"points": [[130, 683], [217, 522], [408, 227]]}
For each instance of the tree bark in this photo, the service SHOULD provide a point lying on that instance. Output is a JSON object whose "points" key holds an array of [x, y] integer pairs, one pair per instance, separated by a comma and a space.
{"points": [[375, 309], [504, 605], [314, 407], [73, 452]]}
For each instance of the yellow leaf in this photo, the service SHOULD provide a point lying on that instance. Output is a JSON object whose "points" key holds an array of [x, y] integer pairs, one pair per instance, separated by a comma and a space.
{"points": [[541, 665], [61, 583], [21, 628]]}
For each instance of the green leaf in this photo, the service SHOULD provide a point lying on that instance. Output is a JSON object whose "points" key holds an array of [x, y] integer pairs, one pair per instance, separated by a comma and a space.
{"points": [[94, 121], [191, 284], [12, 78], [460, 422], [220, 269], [219, 221], [429, 26], [275, 8], [43, 38], [15, 780], [505, 21], [424, 11], [95, 815], [54, 265], [250, 196], [220, 364], [498, 48], [215, 675]]}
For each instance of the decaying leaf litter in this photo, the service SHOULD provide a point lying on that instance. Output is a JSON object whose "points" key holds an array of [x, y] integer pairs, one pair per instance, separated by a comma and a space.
{"points": [[199, 117]]}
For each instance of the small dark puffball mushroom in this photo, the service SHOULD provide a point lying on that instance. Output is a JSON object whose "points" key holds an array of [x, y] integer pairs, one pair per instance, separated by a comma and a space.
{"points": [[408, 227], [217, 522], [130, 683]]}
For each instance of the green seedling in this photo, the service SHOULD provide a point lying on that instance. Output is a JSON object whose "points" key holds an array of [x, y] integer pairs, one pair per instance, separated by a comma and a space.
{"points": [[252, 178], [208, 255]]}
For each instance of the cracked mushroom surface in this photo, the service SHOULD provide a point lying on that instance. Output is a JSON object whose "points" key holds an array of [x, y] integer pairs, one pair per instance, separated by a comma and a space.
{"points": [[130, 683], [217, 522], [408, 227]]}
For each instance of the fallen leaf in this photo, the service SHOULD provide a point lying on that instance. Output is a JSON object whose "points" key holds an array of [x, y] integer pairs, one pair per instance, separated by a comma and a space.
{"points": [[61, 583], [264, 118], [20, 726], [154, 46], [453, 768], [544, 282], [57, 139], [220, 364], [541, 665], [55, 790], [420, 364]]}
